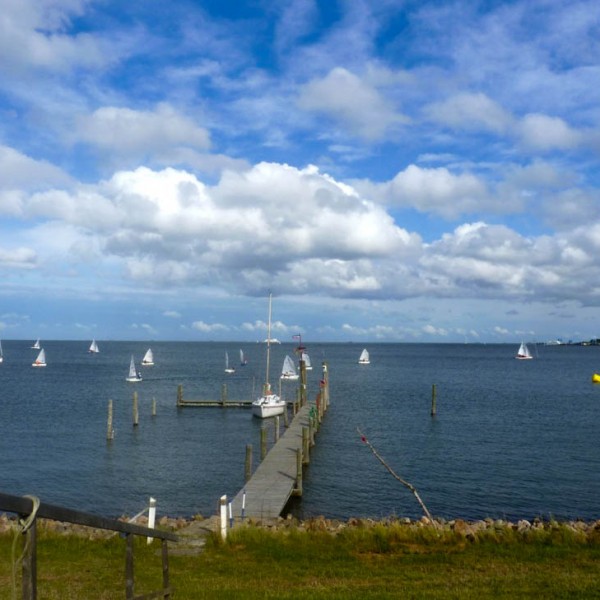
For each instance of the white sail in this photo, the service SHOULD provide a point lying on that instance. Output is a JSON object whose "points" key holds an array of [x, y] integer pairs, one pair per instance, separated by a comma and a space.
{"points": [[523, 352], [93, 348], [36, 345], [148, 359], [133, 374], [1, 353], [364, 358], [288, 370], [243, 361], [306, 359], [40, 361], [228, 369]]}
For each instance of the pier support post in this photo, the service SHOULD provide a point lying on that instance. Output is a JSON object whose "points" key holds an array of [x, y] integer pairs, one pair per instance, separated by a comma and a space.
{"points": [[286, 420], [298, 487], [110, 432], [263, 443], [276, 431], [303, 388], [136, 415], [153, 407], [248, 464], [305, 446], [433, 401], [179, 395]]}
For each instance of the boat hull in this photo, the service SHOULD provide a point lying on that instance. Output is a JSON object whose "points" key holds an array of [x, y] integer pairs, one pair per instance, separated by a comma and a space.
{"points": [[289, 377], [269, 406], [133, 379]]}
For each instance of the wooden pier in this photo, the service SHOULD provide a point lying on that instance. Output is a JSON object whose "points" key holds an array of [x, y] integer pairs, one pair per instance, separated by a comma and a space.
{"points": [[224, 402], [279, 476]]}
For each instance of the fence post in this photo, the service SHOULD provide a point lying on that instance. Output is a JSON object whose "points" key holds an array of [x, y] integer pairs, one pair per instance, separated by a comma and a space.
{"points": [[223, 517], [151, 517], [29, 569], [165, 569], [129, 567]]}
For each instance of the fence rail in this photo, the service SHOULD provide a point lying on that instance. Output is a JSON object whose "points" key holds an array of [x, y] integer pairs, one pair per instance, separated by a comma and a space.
{"points": [[29, 510]]}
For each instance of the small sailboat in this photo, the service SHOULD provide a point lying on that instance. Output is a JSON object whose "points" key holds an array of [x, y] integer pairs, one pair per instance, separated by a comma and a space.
{"points": [[306, 359], [93, 349], [523, 352], [269, 404], [364, 358], [1, 353], [37, 345], [243, 360], [40, 361], [288, 371], [148, 359], [228, 369], [133, 374]]}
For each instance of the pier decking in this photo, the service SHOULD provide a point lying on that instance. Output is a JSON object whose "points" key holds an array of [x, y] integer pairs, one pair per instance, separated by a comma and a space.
{"points": [[274, 481]]}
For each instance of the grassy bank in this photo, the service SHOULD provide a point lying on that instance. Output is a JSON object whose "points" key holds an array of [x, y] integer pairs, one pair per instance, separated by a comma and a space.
{"points": [[388, 560]]}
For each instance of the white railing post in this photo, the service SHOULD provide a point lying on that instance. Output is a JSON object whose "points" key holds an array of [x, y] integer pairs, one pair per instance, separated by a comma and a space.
{"points": [[151, 517], [223, 515]]}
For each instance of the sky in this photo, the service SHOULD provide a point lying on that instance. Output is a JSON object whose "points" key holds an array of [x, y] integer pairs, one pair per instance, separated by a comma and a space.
{"points": [[391, 171]]}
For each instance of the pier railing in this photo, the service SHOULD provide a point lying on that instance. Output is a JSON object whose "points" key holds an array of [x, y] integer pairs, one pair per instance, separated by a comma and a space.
{"points": [[30, 509]]}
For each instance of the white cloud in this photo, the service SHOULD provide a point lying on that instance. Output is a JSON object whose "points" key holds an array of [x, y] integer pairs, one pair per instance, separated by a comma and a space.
{"points": [[17, 258], [209, 327], [351, 101], [548, 133]]}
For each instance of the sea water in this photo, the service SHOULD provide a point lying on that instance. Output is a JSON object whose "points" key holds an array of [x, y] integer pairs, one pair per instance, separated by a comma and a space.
{"points": [[511, 439]]}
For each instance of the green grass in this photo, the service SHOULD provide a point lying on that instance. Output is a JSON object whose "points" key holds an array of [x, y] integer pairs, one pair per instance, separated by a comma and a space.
{"points": [[382, 561]]}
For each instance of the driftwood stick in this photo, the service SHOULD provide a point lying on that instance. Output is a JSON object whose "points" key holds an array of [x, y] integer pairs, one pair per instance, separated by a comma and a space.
{"points": [[402, 481]]}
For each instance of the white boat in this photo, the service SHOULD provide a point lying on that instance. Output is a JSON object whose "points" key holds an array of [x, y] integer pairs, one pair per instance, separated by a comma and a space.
{"points": [[364, 358], [288, 370], [93, 349], [148, 359], [37, 345], [523, 352], [306, 359], [133, 374], [269, 404], [1, 354], [243, 361], [228, 369], [40, 361]]}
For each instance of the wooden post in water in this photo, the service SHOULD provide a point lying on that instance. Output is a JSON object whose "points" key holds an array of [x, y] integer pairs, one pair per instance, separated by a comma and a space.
{"points": [[433, 401], [224, 394], [325, 390], [136, 416], [263, 443], [153, 407], [286, 421], [276, 420], [110, 432], [303, 398], [305, 446], [248, 464], [298, 486], [179, 395]]}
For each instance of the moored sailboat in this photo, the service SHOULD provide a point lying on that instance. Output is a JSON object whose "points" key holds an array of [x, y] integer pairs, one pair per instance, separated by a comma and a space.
{"points": [[40, 361], [269, 404]]}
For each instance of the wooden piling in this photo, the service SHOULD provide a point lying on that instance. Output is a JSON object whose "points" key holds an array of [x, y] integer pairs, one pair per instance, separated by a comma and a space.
{"points": [[286, 419], [179, 395], [297, 491], [303, 388], [153, 407], [263, 443], [248, 464], [136, 415], [433, 401], [110, 432], [276, 432], [224, 394], [305, 446]]}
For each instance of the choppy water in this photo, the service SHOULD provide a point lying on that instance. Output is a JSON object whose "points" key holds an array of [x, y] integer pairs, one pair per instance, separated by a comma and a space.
{"points": [[511, 438]]}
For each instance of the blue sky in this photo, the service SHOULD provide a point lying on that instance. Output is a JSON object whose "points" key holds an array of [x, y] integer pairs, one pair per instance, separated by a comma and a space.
{"points": [[392, 171]]}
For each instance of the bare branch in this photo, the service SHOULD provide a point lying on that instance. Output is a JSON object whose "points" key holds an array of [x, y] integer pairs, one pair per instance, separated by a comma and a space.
{"points": [[402, 481]]}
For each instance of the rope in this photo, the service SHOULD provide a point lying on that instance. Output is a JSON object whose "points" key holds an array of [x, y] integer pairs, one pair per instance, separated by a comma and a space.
{"points": [[24, 525]]}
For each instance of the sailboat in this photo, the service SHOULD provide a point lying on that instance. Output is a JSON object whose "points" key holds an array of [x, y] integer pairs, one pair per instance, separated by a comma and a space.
{"points": [[306, 359], [228, 369], [37, 345], [133, 374], [364, 358], [1, 354], [269, 404], [40, 361], [243, 361], [148, 359], [93, 349], [288, 370], [523, 352]]}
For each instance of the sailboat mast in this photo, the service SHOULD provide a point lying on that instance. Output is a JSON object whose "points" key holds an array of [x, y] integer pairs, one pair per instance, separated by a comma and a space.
{"points": [[268, 346]]}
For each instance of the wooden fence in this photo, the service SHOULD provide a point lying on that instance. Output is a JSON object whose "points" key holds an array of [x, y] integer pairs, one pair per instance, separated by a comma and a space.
{"points": [[30, 509]]}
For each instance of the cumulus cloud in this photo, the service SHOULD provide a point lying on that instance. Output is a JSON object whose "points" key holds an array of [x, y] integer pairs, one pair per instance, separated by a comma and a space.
{"points": [[352, 102], [542, 132]]}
